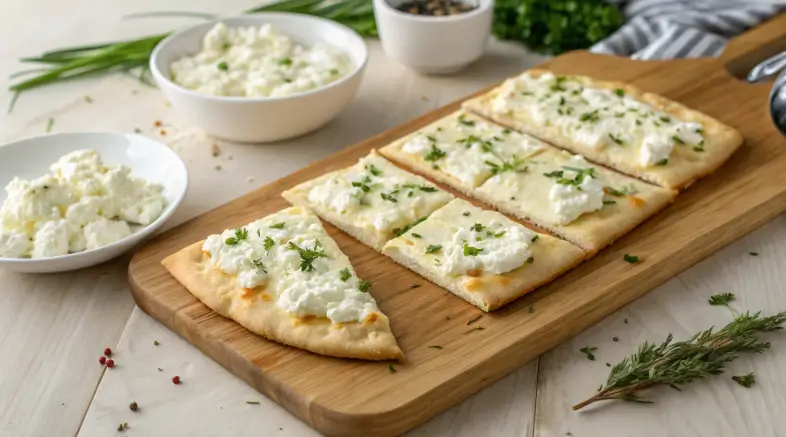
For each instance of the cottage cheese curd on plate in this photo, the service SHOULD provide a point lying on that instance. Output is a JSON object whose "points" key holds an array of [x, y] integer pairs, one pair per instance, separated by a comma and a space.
{"points": [[82, 204], [258, 62]]}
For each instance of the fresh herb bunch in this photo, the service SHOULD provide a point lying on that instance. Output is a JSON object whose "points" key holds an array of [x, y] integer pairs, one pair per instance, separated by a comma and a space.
{"points": [[678, 363], [555, 26]]}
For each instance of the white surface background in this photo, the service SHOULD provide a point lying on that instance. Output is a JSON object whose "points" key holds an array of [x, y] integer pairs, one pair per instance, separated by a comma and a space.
{"points": [[53, 328]]}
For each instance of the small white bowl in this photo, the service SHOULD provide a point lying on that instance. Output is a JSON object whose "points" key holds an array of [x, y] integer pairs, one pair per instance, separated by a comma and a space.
{"points": [[30, 158], [433, 45], [263, 119]]}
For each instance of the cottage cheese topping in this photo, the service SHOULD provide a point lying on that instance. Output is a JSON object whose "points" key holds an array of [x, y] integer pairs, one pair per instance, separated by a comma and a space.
{"points": [[292, 257], [575, 192], [82, 204], [494, 248], [472, 150], [378, 194], [258, 62], [598, 118]]}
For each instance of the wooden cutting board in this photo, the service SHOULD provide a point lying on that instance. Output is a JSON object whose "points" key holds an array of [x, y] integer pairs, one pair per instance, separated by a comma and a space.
{"points": [[344, 397]]}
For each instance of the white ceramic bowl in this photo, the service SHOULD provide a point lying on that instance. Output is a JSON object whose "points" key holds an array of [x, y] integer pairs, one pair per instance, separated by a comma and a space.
{"points": [[263, 119], [434, 45], [30, 158]]}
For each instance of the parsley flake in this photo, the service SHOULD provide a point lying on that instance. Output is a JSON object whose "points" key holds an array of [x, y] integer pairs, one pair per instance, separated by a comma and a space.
{"points": [[287, 62], [363, 286], [257, 263], [462, 119], [632, 259], [278, 226], [400, 232], [477, 227], [746, 381], [373, 170], [471, 251], [308, 256], [388, 197], [620, 92], [721, 299], [269, 243], [344, 274], [434, 154], [223, 66], [662, 162], [240, 235], [588, 351]]}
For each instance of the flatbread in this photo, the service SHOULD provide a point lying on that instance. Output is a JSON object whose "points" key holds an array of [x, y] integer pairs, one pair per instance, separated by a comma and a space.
{"points": [[372, 200], [258, 309], [462, 150], [546, 257], [627, 202], [622, 150]]}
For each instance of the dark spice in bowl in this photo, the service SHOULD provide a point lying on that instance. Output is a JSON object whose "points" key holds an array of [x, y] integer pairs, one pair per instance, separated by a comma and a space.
{"points": [[436, 8]]}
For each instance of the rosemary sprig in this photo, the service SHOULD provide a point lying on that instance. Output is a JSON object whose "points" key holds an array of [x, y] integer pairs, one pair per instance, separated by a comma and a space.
{"points": [[678, 363]]}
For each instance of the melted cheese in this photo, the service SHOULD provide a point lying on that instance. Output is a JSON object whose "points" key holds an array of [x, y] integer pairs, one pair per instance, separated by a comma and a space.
{"points": [[470, 149], [598, 119], [264, 254], [377, 194]]}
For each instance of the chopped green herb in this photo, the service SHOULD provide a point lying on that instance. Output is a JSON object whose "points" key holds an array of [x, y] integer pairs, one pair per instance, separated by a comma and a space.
{"points": [[308, 256], [698, 149], [721, 299], [530, 260], [505, 131], [554, 174], [590, 116], [620, 92], [589, 352], [344, 274], [677, 140], [471, 251], [435, 347], [464, 121], [632, 259], [363, 286], [223, 66], [477, 227], [50, 123], [665, 119], [465, 214], [400, 232], [416, 235], [535, 238], [499, 234], [753, 253], [388, 197], [434, 154], [433, 248], [363, 185], [373, 170], [662, 162], [285, 61], [746, 381], [616, 139], [278, 226], [333, 71], [426, 189], [609, 202], [269, 243], [391, 369], [240, 235], [257, 263]]}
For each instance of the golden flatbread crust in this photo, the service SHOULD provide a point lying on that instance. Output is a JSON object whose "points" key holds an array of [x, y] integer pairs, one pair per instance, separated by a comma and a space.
{"points": [[487, 291], [683, 168], [257, 312]]}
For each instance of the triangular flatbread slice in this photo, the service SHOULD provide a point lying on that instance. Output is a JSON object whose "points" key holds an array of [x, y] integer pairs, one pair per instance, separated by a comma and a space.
{"points": [[284, 278]]}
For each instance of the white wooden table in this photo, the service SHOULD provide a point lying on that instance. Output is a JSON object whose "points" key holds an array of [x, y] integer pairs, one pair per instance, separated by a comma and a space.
{"points": [[53, 328]]}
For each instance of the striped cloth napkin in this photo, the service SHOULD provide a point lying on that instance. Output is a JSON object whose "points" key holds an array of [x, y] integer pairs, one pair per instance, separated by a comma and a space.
{"points": [[668, 29]]}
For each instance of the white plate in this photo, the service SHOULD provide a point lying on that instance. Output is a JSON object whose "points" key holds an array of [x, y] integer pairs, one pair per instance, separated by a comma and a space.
{"points": [[30, 158]]}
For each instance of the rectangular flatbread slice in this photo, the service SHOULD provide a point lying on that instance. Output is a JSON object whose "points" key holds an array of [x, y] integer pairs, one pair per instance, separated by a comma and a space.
{"points": [[284, 278], [481, 255], [581, 202], [614, 124], [372, 200], [462, 150]]}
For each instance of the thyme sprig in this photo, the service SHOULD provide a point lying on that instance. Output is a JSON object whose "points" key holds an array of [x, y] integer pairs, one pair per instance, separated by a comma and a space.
{"points": [[678, 363]]}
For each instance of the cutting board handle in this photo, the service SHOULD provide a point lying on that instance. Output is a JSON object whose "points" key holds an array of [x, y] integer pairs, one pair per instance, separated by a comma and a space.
{"points": [[748, 49]]}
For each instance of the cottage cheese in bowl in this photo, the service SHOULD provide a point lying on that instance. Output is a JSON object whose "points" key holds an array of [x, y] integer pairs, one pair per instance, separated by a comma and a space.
{"points": [[82, 204], [258, 61]]}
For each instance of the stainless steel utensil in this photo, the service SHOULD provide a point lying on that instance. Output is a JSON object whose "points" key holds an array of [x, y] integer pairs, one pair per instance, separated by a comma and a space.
{"points": [[775, 65]]}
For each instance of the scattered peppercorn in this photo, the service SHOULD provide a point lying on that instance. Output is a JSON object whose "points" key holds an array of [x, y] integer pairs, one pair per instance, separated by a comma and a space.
{"points": [[615, 339], [753, 253], [102, 360], [156, 343], [626, 320], [414, 285], [108, 352], [110, 363], [133, 406], [436, 8], [157, 123], [175, 380]]}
